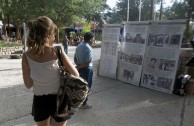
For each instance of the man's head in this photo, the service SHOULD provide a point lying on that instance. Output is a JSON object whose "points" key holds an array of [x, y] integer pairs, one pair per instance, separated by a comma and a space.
{"points": [[153, 60], [89, 37], [138, 35]]}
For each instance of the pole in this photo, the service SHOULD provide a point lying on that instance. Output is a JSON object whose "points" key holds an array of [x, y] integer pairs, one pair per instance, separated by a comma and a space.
{"points": [[161, 7], [140, 10], [128, 11], [151, 9], [94, 31], [25, 37]]}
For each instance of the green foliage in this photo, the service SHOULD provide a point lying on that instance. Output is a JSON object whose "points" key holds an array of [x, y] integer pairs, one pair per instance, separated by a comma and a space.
{"points": [[98, 37], [61, 35], [177, 11], [191, 33], [86, 27], [60, 11], [119, 13]]}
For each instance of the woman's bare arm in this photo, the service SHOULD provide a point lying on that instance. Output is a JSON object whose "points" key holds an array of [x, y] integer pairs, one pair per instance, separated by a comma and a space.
{"points": [[28, 82], [69, 65]]}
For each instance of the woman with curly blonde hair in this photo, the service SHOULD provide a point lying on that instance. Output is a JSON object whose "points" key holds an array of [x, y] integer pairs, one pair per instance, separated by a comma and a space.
{"points": [[41, 71]]}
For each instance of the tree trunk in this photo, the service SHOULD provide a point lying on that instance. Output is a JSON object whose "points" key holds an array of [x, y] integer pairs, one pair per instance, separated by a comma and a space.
{"points": [[188, 20], [161, 8], [18, 35], [8, 25], [152, 10], [4, 31]]}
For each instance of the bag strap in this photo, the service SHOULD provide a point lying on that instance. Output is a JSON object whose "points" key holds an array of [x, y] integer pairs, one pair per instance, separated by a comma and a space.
{"points": [[58, 51]]}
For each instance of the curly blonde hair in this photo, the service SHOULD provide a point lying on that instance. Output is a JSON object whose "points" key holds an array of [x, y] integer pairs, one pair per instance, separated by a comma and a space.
{"points": [[39, 29]]}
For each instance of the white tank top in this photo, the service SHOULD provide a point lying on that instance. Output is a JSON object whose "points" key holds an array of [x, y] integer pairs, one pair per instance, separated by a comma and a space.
{"points": [[45, 76]]}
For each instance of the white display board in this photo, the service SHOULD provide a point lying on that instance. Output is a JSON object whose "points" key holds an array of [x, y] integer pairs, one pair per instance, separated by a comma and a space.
{"points": [[132, 52], [109, 50], [162, 55]]}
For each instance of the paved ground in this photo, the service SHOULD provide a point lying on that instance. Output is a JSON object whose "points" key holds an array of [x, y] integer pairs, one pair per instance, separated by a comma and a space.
{"points": [[114, 104]]}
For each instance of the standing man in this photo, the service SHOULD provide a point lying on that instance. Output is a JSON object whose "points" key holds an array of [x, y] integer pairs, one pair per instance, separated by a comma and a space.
{"points": [[83, 60], [65, 43]]}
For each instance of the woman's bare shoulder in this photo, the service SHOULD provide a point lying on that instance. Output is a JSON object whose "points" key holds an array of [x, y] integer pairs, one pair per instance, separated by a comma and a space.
{"points": [[29, 53]]}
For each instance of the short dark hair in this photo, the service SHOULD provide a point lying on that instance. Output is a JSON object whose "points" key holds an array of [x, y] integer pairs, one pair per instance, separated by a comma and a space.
{"points": [[153, 59], [88, 36]]}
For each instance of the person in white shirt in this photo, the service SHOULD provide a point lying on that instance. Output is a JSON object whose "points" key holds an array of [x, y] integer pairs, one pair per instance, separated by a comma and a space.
{"points": [[41, 71]]}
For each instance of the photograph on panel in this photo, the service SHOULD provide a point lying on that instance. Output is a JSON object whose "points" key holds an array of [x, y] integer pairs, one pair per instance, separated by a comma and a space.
{"points": [[175, 39], [136, 59], [158, 39], [151, 39], [149, 80], [129, 37], [139, 39], [124, 57], [152, 63], [167, 65], [161, 40], [164, 83], [128, 75]]}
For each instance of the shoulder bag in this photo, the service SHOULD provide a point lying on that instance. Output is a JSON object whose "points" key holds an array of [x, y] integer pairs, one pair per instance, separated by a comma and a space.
{"points": [[75, 88]]}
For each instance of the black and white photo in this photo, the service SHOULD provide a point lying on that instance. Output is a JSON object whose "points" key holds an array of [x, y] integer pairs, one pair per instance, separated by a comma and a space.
{"points": [[167, 65], [132, 58], [149, 80], [175, 39], [139, 39], [164, 83], [128, 75], [152, 63], [128, 38], [151, 39], [159, 40]]}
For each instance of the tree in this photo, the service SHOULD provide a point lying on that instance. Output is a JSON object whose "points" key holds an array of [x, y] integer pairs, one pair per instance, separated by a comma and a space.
{"points": [[181, 10], [177, 11], [4, 11], [189, 14], [119, 13], [60, 11]]}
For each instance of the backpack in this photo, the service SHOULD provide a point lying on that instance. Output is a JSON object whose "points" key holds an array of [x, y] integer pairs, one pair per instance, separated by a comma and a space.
{"points": [[181, 85]]}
